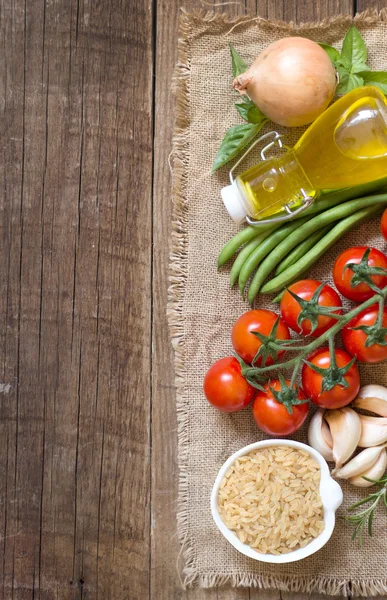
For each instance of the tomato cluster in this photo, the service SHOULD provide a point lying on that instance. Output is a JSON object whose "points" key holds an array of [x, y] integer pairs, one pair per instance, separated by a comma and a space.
{"points": [[258, 337], [330, 377], [358, 273]]}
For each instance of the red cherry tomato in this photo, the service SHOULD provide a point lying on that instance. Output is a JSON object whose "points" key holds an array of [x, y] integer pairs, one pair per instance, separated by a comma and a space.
{"points": [[338, 396], [305, 289], [343, 276], [383, 225], [272, 416], [225, 387], [246, 344], [355, 339]]}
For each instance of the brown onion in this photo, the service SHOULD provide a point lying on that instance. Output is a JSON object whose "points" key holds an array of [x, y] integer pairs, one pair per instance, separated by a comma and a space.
{"points": [[292, 81]]}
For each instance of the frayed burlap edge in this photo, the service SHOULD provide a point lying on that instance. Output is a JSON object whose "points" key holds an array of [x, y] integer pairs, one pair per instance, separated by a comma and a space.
{"points": [[323, 585], [192, 25]]}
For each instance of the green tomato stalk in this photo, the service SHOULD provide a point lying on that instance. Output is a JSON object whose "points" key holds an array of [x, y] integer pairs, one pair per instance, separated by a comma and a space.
{"points": [[256, 375]]}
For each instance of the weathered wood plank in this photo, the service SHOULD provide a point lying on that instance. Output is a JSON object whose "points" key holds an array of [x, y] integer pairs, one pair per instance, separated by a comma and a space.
{"points": [[165, 583], [299, 596], [257, 594], [164, 543], [371, 4], [164, 580], [301, 11], [21, 408], [75, 206], [235, 594], [76, 218]]}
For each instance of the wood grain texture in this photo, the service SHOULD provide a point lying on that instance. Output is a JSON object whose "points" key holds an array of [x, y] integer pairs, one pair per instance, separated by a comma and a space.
{"points": [[165, 548], [255, 594], [362, 5], [88, 478], [303, 11], [165, 561], [75, 303]]}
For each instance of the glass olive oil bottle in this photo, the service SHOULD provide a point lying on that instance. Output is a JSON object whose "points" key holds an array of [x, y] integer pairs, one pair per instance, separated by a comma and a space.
{"points": [[345, 146]]}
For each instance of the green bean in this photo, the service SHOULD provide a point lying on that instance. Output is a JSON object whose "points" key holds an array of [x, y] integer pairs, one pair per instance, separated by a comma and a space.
{"points": [[332, 198], [263, 250], [244, 254], [326, 201], [305, 230], [294, 271], [299, 251], [278, 297], [249, 232], [243, 236]]}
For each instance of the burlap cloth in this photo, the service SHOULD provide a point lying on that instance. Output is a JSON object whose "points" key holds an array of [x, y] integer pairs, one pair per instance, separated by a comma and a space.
{"points": [[203, 308]]}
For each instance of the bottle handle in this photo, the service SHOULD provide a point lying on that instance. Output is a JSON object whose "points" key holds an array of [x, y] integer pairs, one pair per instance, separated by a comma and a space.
{"points": [[276, 139], [307, 200]]}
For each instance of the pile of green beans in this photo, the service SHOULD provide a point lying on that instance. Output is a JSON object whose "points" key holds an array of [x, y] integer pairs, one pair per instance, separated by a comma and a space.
{"points": [[289, 250]]}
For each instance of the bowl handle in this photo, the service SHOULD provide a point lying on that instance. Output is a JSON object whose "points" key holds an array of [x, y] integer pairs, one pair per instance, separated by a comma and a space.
{"points": [[332, 494]]}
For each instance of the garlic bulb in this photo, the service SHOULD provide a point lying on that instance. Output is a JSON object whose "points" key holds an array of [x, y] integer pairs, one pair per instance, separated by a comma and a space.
{"points": [[360, 463], [373, 431], [372, 398], [375, 472], [337, 433], [345, 427], [318, 438]]}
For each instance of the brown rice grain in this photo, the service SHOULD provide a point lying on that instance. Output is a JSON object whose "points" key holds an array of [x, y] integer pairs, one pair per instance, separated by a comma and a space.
{"points": [[270, 498]]}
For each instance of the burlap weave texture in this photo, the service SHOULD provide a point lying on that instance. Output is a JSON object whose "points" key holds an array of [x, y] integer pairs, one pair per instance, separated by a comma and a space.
{"points": [[202, 310]]}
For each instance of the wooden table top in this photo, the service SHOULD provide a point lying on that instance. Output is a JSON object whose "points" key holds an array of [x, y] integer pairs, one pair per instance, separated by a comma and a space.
{"points": [[88, 477]]}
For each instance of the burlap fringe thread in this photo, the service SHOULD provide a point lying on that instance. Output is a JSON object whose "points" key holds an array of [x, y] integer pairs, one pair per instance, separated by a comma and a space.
{"points": [[177, 278]]}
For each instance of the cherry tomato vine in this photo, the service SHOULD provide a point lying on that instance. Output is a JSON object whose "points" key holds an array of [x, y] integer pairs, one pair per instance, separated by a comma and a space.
{"points": [[256, 375]]}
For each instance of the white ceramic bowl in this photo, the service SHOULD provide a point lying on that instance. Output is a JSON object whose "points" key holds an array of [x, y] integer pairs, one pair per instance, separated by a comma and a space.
{"points": [[330, 492]]}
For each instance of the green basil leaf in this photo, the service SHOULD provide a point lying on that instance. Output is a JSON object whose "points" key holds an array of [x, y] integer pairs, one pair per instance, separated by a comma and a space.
{"points": [[343, 80], [245, 98], [238, 64], [343, 62], [347, 81], [354, 49], [359, 68], [249, 112], [333, 54], [375, 78], [243, 110], [234, 141]]}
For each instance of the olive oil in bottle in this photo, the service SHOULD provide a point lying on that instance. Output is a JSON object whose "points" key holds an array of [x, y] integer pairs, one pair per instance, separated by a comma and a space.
{"points": [[345, 146]]}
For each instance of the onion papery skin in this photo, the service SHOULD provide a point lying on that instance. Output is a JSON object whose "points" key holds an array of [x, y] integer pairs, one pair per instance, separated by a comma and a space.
{"points": [[292, 81]]}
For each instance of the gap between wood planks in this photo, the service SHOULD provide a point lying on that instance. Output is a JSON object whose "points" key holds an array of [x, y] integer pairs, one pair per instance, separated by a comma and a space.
{"points": [[164, 550]]}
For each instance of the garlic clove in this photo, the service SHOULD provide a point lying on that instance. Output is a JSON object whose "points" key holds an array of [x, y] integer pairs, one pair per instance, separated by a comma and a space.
{"points": [[316, 435], [360, 463], [379, 391], [372, 398], [371, 419], [345, 427], [326, 433], [373, 431], [375, 472]]}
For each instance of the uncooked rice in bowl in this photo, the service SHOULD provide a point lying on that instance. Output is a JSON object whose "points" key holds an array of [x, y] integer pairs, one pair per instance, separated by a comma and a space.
{"points": [[270, 498]]}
